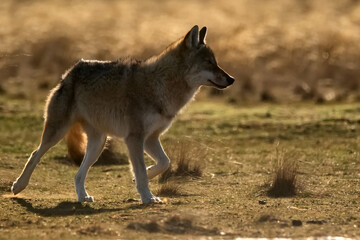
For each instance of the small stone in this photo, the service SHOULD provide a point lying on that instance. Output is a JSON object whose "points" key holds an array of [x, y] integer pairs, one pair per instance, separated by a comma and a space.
{"points": [[262, 202], [297, 223]]}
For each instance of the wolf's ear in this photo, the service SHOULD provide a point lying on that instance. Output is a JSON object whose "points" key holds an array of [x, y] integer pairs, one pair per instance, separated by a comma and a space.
{"points": [[203, 35], [192, 37]]}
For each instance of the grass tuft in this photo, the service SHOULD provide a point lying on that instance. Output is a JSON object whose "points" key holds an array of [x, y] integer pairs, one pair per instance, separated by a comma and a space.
{"points": [[284, 183], [169, 190], [185, 157]]}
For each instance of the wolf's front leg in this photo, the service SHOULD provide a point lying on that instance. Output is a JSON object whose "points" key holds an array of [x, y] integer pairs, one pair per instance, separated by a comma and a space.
{"points": [[154, 149], [135, 145]]}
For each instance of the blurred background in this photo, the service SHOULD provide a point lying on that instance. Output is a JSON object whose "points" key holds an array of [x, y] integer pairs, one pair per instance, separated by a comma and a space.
{"points": [[278, 50]]}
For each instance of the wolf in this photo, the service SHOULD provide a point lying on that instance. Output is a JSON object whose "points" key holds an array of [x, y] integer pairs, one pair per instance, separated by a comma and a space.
{"points": [[131, 99]]}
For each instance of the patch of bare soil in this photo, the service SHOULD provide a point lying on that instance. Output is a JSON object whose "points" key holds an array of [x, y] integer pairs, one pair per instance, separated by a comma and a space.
{"points": [[97, 230], [173, 225]]}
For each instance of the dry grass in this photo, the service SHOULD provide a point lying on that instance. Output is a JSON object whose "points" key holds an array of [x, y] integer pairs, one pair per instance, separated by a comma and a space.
{"points": [[284, 183], [186, 164], [169, 189], [278, 50], [323, 139], [186, 157], [165, 176]]}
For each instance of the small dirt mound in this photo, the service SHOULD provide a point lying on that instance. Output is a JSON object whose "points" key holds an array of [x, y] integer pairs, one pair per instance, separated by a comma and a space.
{"points": [[97, 230], [172, 225]]}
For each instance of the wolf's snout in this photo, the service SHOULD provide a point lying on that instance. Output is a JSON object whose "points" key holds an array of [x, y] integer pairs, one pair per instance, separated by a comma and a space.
{"points": [[230, 80]]}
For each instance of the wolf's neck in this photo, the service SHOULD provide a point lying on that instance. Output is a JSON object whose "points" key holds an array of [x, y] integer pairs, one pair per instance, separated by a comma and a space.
{"points": [[171, 87]]}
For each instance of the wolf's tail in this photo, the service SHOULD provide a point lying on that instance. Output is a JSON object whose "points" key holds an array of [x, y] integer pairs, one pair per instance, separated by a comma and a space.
{"points": [[76, 143]]}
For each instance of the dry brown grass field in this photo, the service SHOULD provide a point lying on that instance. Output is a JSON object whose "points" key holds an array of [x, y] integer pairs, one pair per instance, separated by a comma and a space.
{"points": [[275, 155], [279, 50]]}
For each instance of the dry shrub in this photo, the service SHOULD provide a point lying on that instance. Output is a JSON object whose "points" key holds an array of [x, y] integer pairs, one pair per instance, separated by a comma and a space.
{"points": [[284, 183], [185, 156], [169, 190]]}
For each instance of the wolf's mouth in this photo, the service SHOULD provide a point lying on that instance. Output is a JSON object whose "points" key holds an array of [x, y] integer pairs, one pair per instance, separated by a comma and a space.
{"points": [[216, 85]]}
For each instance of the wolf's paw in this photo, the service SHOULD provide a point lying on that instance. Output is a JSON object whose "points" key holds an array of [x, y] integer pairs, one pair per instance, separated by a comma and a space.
{"points": [[18, 186], [86, 199], [89, 199], [150, 200]]}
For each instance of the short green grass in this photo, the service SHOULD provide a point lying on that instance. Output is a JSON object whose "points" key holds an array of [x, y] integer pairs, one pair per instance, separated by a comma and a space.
{"points": [[228, 200]]}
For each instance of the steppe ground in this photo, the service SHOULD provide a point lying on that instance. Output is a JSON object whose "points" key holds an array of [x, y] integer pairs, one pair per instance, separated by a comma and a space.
{"points": [[296, 100], [236, 148]]}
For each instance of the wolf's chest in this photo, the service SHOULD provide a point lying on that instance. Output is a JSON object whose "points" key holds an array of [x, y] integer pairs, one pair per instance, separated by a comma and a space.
{"points": [[156, 123]]}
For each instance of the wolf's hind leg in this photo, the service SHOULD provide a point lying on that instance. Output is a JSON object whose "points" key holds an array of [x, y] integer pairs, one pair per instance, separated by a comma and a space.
{"points": [[58, 119], [95, 145], [52, 134], [154, 149]]}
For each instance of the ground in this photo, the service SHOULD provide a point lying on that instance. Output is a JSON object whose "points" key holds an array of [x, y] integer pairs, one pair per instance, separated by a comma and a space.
{"points": [[236, 147]]}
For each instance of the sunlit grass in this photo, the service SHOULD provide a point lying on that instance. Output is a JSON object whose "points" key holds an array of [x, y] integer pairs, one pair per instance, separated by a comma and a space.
{"points": [[235, 148]]}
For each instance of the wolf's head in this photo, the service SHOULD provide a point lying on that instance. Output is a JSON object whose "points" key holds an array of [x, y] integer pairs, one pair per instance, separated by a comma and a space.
{"points": [[203, 67]]}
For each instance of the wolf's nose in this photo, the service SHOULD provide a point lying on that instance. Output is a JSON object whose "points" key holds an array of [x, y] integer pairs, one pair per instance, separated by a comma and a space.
{"points": [[230, 80]]}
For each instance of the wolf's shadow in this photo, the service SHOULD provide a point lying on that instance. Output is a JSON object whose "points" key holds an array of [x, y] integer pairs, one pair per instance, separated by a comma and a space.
{"points": [[65, 208]]}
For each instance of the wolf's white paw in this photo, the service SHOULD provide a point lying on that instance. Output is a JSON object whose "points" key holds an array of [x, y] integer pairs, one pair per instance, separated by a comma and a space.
{"points": [[86, 199], [151, 199], [18, 186], [89, 199]]}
